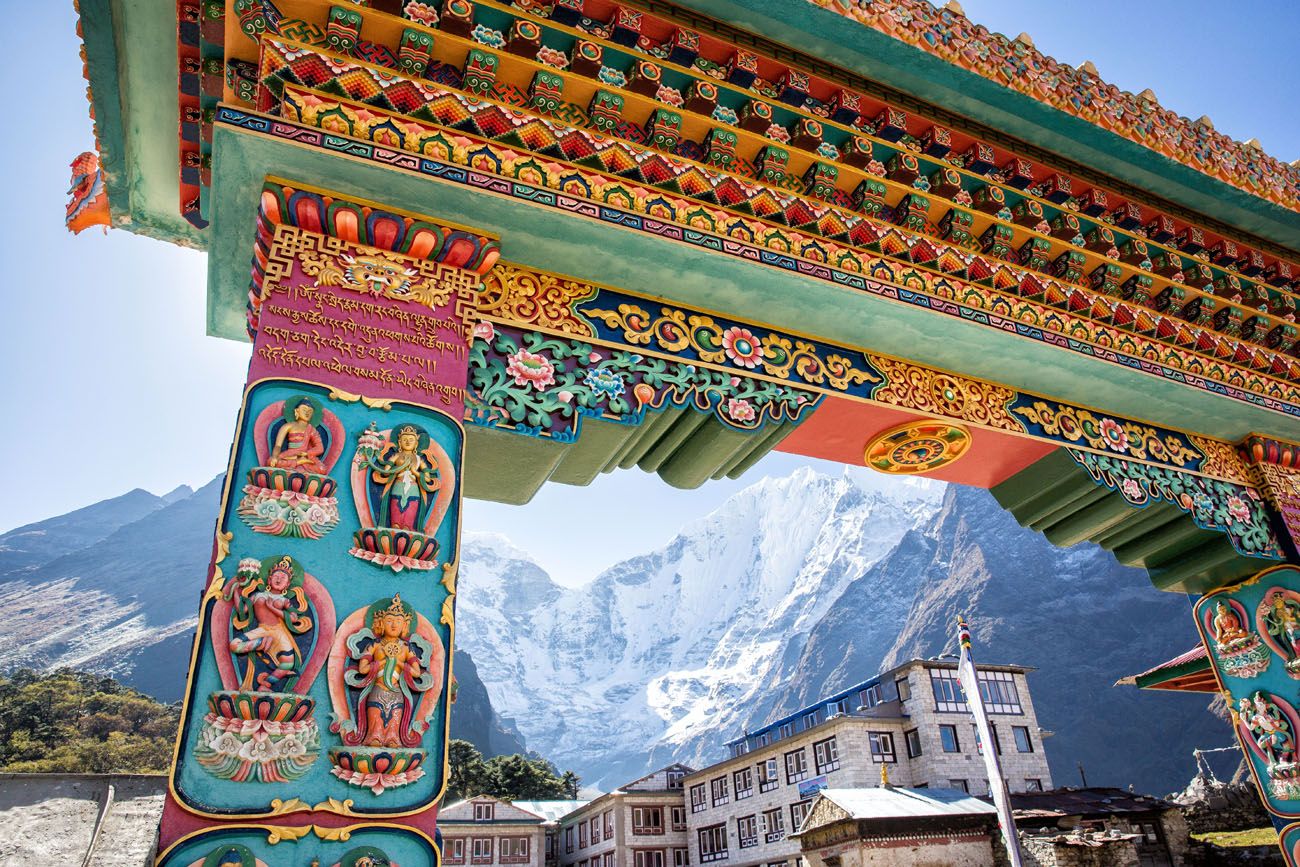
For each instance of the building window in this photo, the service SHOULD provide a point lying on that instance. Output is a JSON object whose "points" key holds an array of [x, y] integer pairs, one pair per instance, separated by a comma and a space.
{"points": [[811, 720], [675, 779], [568, 840], [797, 813], [481, 850], [646, 820], [609, 824], [826, 755], [948, 737], [550, 845], [739, 749], [998, 689], [787, 729], [796, 766], [609, 860], [913, 738], [484, 812], [870, 697], [514, 850], [767, 778], [713, 843], [681, 858], [773, 825], [1033, 784], [959, 784], [679, 818], [699, 800], [840, 707], [743, 783], [747, 831], [453, 850], [648, 858], [718, 788], [582, 835], [904, 689], [764, 739], [979, 745], [882, 746], [947, 691], [595, 830], [1023, 742]]}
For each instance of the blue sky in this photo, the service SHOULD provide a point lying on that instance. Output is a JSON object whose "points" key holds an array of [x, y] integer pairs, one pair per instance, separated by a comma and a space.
{"points": [[111, 384]]}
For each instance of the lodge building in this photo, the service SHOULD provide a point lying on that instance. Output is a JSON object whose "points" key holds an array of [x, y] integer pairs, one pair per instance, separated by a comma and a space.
{"points": [[641, 824], [484, 831], [909, 722], [908, 727]]}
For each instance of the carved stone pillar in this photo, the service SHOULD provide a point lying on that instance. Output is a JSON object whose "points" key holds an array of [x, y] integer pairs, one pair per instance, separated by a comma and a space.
{"points": [[316, 714]]}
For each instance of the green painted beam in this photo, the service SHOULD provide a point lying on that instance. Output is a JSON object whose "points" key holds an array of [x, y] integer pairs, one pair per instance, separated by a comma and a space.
{"points": [[1178, 555], [871, 54], [132, 63], [556, 241]]}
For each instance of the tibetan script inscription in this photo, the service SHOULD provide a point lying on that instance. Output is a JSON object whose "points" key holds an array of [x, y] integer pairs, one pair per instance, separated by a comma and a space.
{"points": [[373, 322]]}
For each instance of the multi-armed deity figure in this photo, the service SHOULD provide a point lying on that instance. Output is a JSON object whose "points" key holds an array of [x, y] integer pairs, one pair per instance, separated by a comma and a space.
{"points": [[1272, 727], [384, 693], [1239, 649], [1279, 616], [270, 612], [272, 626], [399, 483], [289, 492]]}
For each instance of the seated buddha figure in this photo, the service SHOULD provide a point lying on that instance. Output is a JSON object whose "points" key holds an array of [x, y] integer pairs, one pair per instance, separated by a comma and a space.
{"points": [[1227, 625], [298, 444]]}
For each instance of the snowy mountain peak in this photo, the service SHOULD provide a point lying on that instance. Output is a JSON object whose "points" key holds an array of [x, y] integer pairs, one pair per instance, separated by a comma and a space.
{"points": [[673, 646]]}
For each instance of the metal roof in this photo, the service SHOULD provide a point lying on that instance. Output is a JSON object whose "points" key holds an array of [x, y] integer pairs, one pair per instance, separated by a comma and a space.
{"points": [[890, 802], [551, 811]]}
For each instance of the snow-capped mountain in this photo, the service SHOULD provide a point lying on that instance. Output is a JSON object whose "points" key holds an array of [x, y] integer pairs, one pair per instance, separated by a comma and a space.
{"points": [[668, 649], [795, 587], [803, 585]]}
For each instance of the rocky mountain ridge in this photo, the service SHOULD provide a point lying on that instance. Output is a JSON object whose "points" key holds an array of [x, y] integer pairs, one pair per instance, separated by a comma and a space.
{"points": [[795, 587]]}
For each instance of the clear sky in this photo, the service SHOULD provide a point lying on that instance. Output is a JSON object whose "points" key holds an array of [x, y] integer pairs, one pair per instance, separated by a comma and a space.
{"points": [[110, 384]]}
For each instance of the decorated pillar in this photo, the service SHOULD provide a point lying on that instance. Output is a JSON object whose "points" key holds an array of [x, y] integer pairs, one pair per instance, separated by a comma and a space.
{"points": [[1252, 635], [316, 713]]}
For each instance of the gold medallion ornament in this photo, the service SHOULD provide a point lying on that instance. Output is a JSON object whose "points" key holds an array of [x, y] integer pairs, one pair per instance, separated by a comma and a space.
{"points": [[917, 447]]}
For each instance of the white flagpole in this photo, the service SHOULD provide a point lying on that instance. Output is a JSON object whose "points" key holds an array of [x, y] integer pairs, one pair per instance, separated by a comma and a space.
{"points": [[997, 786]]}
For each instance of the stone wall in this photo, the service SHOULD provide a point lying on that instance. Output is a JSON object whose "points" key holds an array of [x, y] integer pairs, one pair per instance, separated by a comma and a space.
{"points": [[1212, 805], [1088, 851]]}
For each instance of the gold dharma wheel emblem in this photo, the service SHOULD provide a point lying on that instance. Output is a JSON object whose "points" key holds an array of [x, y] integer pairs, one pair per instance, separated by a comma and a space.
{"points": [[917, 447]]}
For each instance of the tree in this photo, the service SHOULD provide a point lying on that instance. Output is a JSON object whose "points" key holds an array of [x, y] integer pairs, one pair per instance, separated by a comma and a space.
{"points": [[466, 773], [512, 778], [69, 721]]}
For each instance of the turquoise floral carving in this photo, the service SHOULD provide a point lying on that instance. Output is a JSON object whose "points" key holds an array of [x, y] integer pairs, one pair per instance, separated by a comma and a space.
{"points": [[1232, 509], [544, 385]]}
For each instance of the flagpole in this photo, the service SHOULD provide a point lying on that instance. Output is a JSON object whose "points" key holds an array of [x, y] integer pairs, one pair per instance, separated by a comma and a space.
{"points": [[969, 680]]}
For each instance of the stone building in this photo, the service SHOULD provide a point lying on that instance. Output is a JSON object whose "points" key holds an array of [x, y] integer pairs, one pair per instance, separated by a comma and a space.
{"points": [[896, 827], [1101, 821], [483, 831], [641, 824], [910, 720]]}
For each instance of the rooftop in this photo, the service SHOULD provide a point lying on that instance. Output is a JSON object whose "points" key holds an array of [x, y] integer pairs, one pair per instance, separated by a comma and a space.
{"points": [[850, 702], [1187, 672], [551, 811], [890, 802], [1093, 801]]}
